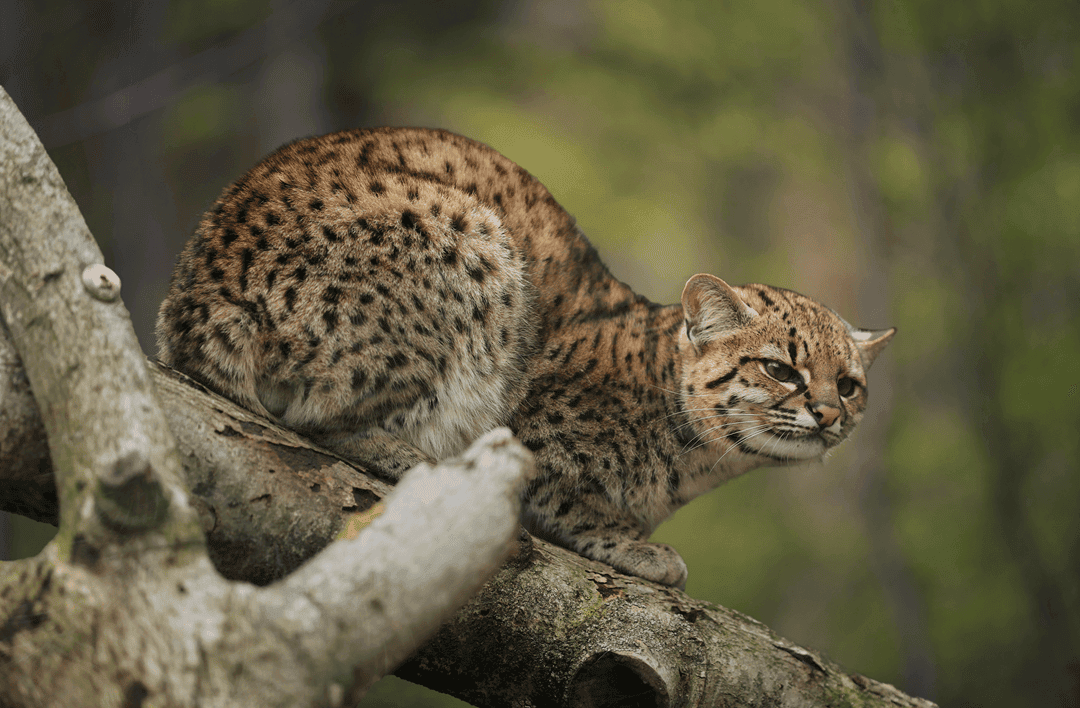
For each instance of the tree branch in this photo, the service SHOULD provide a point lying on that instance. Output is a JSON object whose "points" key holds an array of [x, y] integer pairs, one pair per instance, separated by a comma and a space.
{"points": [[550, 628]]}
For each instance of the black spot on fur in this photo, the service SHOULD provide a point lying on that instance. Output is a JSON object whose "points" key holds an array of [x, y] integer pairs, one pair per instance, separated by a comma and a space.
{"points": [[358, 379], [332, 295], [247, 256], [330, 317]]}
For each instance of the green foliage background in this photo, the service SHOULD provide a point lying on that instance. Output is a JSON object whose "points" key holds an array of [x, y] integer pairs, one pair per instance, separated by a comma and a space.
{"points": [[911, 163]]}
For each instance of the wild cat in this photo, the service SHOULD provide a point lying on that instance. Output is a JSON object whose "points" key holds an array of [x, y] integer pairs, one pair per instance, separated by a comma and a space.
{"points": [[395, 293]]}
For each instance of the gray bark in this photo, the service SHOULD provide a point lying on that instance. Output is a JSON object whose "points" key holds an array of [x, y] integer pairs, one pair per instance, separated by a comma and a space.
{"points": [[141, 597]]}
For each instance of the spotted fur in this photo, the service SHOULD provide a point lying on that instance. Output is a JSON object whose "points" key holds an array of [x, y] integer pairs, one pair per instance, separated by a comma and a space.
{"points": [[394, 293]]}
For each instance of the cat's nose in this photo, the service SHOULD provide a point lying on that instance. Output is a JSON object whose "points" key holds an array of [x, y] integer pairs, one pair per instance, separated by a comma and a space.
{"points": [[823, 414]]}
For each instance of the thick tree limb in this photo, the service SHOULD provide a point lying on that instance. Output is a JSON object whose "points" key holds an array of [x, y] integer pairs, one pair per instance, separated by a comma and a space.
{"points": [[551, 628]]}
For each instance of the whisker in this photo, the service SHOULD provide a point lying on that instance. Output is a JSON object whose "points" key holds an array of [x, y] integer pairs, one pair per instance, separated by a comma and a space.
{"points": [[694, 444], [760, 429], [733, 447], [716, 414], [724, 425], [692, 421], [709, 408], [777, 439], [712, 417], [691, 442]]}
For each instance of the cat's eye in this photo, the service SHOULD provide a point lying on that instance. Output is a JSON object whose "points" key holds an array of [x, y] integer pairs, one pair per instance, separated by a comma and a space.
{"points": [[781, 372], [846, 386]]}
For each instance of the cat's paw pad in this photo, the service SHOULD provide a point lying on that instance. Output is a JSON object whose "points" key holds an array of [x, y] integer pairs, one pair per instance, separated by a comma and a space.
{"points": [[657, 562]]}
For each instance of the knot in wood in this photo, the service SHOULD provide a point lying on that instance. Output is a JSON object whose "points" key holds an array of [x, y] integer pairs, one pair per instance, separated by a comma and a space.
{"points": [[130, 498], [101, 282]]}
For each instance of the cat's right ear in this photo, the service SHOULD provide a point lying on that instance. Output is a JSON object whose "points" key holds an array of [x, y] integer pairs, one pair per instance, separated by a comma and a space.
{"points": [[870, 343], [712, 309]]}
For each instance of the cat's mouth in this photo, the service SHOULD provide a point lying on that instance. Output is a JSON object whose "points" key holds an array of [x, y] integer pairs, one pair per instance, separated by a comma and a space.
{"points": [[790, 445]]}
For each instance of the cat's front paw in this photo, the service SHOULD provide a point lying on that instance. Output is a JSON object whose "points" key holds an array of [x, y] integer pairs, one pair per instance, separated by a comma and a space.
{"points": [[657, 562]]}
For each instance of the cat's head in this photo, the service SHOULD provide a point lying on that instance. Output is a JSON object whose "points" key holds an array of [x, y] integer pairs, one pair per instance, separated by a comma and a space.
{"points": [[769, 372]]}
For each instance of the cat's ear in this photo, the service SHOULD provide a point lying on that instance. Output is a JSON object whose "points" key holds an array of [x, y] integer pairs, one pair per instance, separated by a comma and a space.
{"points": [[712, 309], [870, 342]]}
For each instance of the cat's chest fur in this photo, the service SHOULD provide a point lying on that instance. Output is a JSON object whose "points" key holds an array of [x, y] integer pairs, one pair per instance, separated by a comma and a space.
{"points": [[395, 293]]}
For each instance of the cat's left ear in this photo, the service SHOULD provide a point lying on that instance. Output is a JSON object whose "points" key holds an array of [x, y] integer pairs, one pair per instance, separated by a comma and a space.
{"points": [[712, 309], [870, 343]]}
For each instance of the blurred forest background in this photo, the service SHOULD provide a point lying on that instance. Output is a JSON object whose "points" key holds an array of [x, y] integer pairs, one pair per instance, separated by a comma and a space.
{"points": [[913, 163]]}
